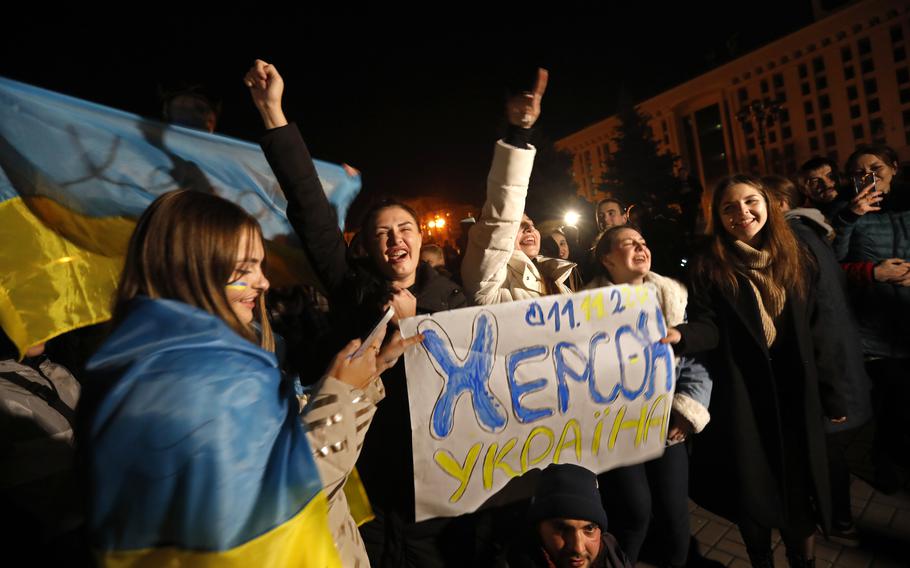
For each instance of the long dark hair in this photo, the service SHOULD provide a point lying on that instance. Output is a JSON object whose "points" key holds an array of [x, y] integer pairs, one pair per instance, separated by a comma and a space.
{"points": [[184, 248], [720, 265]]}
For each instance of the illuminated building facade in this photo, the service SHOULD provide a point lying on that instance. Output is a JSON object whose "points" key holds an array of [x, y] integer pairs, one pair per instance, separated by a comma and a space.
{"points": [[839, 82]]}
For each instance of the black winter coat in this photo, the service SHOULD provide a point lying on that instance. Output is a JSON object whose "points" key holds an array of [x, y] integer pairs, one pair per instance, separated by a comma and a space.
{"points": [[357, 292], [831, 296], [765, 431]]}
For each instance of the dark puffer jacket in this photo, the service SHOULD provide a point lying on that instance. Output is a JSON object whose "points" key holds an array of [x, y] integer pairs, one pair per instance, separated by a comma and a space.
{"points": [[882, 309]]}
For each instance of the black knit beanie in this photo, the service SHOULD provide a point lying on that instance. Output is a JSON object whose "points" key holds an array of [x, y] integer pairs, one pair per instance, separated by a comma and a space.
{"points": [[567, 491]]}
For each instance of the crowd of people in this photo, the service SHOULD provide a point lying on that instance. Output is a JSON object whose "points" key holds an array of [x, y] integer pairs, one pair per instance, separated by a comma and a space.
{"points": [[795, 307]]}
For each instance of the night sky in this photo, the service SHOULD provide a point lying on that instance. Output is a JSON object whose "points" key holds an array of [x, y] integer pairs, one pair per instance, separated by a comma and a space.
{"points": [[411, 97]]}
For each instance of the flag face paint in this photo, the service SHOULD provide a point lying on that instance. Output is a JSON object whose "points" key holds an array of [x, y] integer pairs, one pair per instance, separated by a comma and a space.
{"points": [[75, 176], [237, 286]]}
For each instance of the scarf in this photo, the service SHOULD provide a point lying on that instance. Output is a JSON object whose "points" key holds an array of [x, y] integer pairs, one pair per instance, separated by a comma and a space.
{"points": [[770, 296]]}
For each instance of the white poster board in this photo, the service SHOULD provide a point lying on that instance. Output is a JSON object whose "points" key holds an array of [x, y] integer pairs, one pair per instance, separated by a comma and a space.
{"points": [[496, 391]]}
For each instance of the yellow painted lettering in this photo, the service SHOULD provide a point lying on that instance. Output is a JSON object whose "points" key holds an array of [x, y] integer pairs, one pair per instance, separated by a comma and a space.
{"points": [[659, 421], [598, 430], [537, 431], [575, 441], [460, 471], [493, 460], [620, 424]]}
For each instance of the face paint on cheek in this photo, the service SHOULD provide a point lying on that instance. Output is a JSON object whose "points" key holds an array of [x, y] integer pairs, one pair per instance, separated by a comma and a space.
{"points": [[237, 286]]}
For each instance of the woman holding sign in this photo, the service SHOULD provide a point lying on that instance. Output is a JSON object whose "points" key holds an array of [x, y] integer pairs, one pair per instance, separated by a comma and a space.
{"points": [[762, 463], [662, 485]]}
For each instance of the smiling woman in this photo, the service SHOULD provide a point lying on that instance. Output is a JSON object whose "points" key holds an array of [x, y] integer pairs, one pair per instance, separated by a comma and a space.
{"points": [[359, 290], [776, 371], [192, 436]]}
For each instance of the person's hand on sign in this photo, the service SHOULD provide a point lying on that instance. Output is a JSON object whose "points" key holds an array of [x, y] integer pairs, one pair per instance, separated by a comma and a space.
{"points": [[523, 110], [393, 348], [679, 428], [673, 336]]}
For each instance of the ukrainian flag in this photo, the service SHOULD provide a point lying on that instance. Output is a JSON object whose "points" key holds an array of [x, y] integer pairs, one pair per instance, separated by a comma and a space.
{"points": [[74, 177], [196, 454]]}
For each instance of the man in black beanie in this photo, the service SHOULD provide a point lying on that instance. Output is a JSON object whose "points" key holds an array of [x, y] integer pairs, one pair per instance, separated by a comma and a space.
{"points": [[567, 525]]}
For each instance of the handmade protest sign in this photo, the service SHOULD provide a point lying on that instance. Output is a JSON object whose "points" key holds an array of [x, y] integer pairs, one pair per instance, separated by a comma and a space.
{"points": [[496, 391]]}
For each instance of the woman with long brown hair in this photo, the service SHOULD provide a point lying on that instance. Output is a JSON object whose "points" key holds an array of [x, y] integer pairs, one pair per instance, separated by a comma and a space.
{"points": [[762, 461], [194, 448]]}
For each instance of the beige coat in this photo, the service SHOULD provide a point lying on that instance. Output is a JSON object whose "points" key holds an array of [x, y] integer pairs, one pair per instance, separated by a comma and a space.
{"points": [[337, 417], [492, 270]]}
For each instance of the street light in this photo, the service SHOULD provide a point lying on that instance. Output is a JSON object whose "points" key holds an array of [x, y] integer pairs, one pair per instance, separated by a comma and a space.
{"points": [[571, 218], [764, 114]]}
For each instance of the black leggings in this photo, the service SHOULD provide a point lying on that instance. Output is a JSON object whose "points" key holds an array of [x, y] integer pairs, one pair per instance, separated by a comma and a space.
{"points": [[630, 494]]}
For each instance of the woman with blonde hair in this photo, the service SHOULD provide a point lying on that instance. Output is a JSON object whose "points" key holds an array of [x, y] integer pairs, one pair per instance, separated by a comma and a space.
{"points": [[774, 367]]}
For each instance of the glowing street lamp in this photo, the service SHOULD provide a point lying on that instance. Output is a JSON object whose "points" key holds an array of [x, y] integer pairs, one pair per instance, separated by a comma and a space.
{"points": [[571, 218]]}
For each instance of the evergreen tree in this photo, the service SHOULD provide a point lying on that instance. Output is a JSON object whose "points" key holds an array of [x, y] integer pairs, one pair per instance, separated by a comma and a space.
{"points": [[636, 170]]}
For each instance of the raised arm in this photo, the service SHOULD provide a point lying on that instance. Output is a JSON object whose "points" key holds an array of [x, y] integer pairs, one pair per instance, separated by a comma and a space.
{"points": [[309, 211], [492, 239]]}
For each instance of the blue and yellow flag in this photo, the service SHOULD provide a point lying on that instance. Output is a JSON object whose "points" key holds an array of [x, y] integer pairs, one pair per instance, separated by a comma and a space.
{"points": [[196, 454], [74, 177]]}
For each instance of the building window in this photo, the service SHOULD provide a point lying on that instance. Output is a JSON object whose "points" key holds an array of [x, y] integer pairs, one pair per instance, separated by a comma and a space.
{"points": [[846, 54], [750, 143], [807, 107], [764, 86], [854, 111], [830, 140], [827, 120], [903, 76], [871, 86], [864, 46], [821, 83], [786, 133], [805, 88], [824, 102], [877, 130], [810, 125], [867, 66], [753, 161], [784, 116], [803, 71], [907, 118], [813, 144], [900, 54], [897, 34], [778, 81], [872, 106], [905, 96], [857, 132], [772, 137], [743, 94], [781, 96], [852, 92], [818, 65], [832, 155], [848, 73]]}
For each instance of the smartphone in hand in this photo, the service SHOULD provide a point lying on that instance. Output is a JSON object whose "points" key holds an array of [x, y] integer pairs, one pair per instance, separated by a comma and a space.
{"points": [[861, 181], [375, 332]]}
